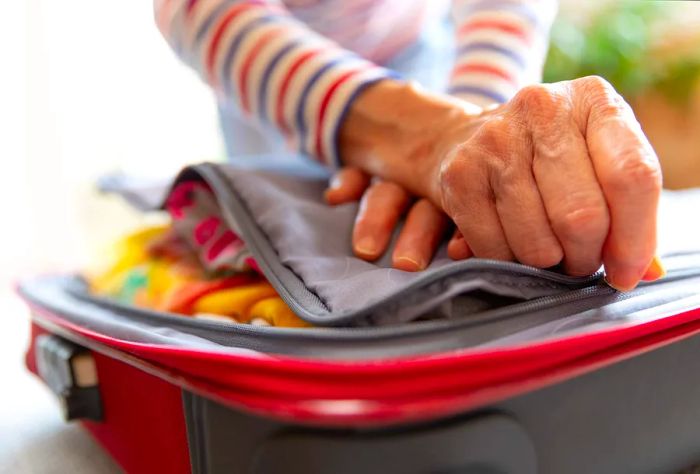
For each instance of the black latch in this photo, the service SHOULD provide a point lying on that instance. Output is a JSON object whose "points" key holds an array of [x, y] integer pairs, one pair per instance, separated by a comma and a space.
{"points": [[69, 371]]}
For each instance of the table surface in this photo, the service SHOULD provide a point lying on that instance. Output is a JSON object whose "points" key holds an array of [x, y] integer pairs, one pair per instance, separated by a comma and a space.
{"points": [[33, 436]]}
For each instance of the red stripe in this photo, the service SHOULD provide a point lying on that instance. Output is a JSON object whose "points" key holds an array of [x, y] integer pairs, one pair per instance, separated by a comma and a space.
{"points": [[243, 74], [484, 69], [499, 25], [279, 106], [326, 100], [190, 7], [225, 20]]}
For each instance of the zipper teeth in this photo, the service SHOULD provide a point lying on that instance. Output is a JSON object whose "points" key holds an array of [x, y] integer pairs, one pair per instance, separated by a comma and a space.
{"points": [[77, 289]]}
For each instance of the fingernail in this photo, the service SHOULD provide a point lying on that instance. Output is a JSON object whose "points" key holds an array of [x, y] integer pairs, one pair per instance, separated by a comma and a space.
{"points": [[409, 263], [624, 280], [616, 286], [655, 270], [366, 247]]}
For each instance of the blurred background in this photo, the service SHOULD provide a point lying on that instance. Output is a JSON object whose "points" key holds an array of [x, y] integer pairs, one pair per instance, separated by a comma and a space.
{"points": [[90, 87], [94, 89]]}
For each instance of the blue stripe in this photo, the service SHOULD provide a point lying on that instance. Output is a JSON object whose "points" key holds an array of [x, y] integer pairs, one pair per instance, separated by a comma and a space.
{"points": [[206, 24], [233, 49], [479, 91], [487, 46], [267, 74], [388, 74], [301, 105]]}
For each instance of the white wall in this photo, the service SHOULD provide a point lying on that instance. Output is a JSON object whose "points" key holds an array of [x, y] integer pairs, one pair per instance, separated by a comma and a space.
{"points": [[87, 87]]}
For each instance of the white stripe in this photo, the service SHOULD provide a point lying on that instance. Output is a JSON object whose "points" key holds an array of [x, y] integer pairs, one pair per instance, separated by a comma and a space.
{"points": [[260, 63], [244, 47], [231, 31], [335, 108], [201, 11], [316, 95], [476, 99], [497, 37], [486, 81], [281, 69], [298, 83]]}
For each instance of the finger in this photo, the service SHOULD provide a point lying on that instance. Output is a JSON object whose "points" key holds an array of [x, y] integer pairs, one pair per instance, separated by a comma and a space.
{"points": [[381, 208], [573, 200], [630, 177], [457, 248], [347, 185], [473, 209], [521, 211], [420, 236]]}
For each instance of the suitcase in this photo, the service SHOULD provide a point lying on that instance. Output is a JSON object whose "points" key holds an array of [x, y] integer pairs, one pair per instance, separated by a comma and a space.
{"points": [[472, 367]]}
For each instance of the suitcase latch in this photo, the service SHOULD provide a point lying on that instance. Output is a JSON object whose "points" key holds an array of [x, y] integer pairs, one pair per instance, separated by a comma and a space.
{"points": [[69, 371]]}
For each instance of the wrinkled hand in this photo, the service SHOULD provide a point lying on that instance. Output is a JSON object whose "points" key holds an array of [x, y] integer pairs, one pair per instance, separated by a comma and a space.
{"points": [[382, 205], [560, 174]]}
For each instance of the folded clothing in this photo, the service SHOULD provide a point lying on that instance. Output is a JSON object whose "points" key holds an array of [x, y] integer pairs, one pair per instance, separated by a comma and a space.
{"points": [[157, 268]]}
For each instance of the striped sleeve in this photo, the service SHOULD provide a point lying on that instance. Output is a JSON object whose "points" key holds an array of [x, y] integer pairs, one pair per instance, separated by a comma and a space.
{"points": [[275, 68], [501, 47]]}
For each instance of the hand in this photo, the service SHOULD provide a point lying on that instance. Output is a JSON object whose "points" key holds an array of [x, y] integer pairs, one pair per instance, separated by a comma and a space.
{"points": [[383, 204], [561, 173]]}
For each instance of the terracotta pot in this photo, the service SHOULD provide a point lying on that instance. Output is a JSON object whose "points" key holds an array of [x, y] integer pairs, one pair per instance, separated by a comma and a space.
{"points": [[674, 132]]}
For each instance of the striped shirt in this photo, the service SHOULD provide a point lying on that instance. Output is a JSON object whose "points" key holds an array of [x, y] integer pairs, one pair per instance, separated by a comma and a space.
{"points": [[298, 64]]}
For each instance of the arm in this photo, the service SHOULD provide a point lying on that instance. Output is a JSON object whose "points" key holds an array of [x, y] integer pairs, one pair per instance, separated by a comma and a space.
{"points": [[280, 72], [501, 47]]}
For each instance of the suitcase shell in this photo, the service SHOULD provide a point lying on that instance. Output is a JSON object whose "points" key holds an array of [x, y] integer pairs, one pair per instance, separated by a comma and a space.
{"points": [[621, 400]]}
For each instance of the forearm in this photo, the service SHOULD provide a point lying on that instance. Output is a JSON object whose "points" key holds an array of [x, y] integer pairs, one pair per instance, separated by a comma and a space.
{"points": [[254, 53]]}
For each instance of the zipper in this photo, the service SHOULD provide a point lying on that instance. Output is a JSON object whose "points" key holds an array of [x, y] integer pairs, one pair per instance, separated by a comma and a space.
{"points": [[682, 264], [583, 294], [238, 217], [570, 302]]}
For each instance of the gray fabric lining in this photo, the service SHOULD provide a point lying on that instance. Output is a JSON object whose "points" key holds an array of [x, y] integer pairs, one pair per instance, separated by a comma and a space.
{"points": [[312, 241], [303, 246]]}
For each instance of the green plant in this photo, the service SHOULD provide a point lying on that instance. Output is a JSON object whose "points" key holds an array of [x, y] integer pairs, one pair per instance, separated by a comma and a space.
{"points": [[616, 44]]}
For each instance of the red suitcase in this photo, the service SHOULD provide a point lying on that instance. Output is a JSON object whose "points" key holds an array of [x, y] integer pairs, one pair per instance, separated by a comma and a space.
{"points": [[580, 379]]}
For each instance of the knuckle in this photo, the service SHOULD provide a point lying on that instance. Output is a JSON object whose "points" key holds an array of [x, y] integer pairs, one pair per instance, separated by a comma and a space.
{"points": [[451, 171], [590, 222], [604, 100], [637, 170], [541, 103], [454, 170], [533, 95], [594, 83]]}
